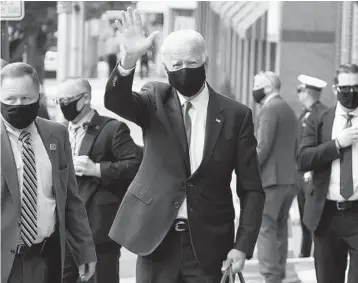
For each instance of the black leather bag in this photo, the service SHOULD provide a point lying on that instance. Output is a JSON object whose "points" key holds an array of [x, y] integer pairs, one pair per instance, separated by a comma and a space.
{"points": [[229, 276]]}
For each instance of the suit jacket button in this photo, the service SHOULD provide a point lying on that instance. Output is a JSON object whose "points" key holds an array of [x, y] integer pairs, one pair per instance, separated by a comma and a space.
{"points": [[176, 204], [12, 251], [18, 224]]}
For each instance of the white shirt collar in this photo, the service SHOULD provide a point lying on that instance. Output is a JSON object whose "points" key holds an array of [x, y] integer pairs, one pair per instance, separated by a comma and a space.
{"points": [[340, 111], [200, 101], [85, 119]]}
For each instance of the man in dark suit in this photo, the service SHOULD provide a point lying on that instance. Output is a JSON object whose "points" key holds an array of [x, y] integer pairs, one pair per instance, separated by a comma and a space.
{"points": [[40, 205], [106, 160], [309, 92], [276, 134], [178, 213], [329, 149]]}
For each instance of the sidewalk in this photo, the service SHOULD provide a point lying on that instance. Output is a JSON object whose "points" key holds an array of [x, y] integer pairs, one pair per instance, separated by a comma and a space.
{"points": [[299, 271]]}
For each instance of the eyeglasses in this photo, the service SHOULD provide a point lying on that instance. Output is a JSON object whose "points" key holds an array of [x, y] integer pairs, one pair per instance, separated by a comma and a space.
{"points": [[347, 88], [67, 100]]}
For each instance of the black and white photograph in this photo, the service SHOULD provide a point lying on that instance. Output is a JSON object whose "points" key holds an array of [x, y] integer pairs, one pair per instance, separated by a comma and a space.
{"points": [[179, 141]]}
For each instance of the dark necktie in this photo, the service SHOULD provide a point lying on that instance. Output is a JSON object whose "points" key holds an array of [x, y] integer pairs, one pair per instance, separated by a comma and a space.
{"points": [[29, 191], [346, 180], [187, 121]]}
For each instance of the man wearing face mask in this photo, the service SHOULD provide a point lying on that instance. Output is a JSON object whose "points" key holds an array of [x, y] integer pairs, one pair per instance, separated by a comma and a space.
{"points": [[178, 214], [40, 205], [309, 92], [276, 133], [106, 160], [329, 149]]}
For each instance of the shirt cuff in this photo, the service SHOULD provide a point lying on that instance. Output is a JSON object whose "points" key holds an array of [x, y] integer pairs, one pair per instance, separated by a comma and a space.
{"points": [[124, 72], [98, 170]]}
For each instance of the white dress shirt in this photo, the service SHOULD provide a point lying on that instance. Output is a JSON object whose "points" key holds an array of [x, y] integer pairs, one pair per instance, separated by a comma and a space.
{"points": [[46, 203], [197, 113], [76, 136], [334, 186]]}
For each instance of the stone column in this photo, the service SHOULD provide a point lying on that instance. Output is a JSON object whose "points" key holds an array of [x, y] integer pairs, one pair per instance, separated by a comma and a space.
{"points": [[64, 9], [77, 39], [5, 51]]}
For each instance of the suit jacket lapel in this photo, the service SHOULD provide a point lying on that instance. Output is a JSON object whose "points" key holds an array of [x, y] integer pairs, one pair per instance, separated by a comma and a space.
{"points": [[52, 146], [91, 134], [8, 166], [214, 124], [327, 124], [176, 125]]}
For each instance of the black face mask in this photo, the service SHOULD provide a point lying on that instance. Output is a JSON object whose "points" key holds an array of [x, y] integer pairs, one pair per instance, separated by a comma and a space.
{"points": [[188, 81], [20, 116], [70, 111], [348, 100], [259, 94]]}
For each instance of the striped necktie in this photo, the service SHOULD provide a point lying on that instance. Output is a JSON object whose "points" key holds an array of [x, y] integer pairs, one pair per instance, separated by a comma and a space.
{"points": [[29, 191]]}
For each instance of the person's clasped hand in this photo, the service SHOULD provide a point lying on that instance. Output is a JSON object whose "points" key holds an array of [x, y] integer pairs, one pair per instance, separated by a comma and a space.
{"points": [[84, 166]]}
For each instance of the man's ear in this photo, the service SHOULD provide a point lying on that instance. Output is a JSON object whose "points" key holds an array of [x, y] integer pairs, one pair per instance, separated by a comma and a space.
{"points": [[334, 88], [41, 96], [206, 64], [268, 89]]}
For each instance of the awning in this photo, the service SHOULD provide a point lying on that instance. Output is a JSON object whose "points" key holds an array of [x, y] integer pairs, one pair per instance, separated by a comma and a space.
{"points": [[240, 14]]}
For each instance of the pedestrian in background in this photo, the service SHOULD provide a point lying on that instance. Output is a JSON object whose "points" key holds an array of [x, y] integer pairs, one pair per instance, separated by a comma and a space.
{"points": [[178, 214], [106, 159], [112, 46], [276, 133], [329, 149], [40, 205], [309, 93]]}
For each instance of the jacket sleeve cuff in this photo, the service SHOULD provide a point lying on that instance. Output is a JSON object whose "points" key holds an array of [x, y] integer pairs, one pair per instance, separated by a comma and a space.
{"points": [[124, 72]]}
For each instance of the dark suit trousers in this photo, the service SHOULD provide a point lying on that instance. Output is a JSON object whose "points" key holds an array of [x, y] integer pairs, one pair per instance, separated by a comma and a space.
{"points": [[272, 244], [306, 243], [107, 267], [335, 238], [174, 262], [44, 268]]}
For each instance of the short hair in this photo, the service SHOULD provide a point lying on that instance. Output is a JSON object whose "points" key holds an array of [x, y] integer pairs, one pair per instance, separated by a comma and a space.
{"points": [[3, 63], [19, 69], [345, 69], [192, 34], [79, 82], [274, 79]]}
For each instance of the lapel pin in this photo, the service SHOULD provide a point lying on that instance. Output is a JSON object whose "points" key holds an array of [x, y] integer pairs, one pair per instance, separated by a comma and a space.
{"points": [[218, 120], [52, 146]]}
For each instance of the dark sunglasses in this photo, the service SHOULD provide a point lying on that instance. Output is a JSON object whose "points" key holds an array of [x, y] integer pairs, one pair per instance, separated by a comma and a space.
{"points": [[347, 88]]}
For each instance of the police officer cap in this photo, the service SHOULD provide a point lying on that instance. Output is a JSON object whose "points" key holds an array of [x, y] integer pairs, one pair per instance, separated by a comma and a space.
{"points": [[310, 82]]}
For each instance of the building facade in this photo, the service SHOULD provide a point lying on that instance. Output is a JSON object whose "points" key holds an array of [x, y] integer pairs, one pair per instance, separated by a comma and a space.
{"points": [[290, 38]]}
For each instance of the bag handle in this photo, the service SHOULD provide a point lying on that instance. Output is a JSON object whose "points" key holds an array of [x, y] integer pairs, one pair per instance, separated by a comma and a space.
{"points": [[228, 274]]}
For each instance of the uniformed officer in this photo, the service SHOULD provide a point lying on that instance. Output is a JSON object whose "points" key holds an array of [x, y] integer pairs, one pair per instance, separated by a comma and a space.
{"points": [[309, 92]]}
